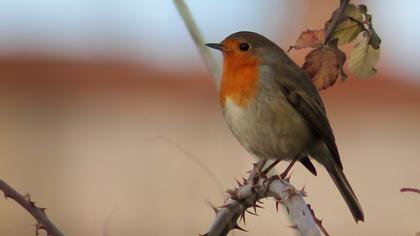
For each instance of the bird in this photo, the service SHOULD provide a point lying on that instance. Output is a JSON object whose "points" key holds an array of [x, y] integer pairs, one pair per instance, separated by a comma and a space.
{"points": [[274, 110]]}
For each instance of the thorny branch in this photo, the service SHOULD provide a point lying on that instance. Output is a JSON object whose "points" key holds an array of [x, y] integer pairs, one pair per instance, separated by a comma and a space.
{"points": [[248, 195], [43, 223]]}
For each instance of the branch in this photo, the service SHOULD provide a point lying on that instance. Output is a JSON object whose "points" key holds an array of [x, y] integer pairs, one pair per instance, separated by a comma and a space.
{"points": [[38, 213], [413, 190], [336, 19], [248, 195], [198, 40]]}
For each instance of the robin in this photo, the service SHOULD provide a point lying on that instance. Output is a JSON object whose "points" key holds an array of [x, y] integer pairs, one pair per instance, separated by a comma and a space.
{"points": [[274, 110]]}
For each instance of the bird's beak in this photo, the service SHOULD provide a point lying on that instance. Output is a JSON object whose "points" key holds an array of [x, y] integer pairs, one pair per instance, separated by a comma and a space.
{"points": [[217, 46]]}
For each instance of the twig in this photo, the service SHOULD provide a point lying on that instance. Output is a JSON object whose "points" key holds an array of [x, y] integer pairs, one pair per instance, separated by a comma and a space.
{"points": [[336, 19], [38, 213], [413, 190], [198, 40], [248, 195]]}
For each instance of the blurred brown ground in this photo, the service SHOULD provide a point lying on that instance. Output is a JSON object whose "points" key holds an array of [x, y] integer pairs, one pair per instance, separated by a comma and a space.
{"points": [[97, 143]]}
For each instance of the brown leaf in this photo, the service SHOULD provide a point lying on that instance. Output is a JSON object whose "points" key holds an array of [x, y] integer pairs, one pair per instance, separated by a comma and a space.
{"points": [[309, 38], [323, 65]]}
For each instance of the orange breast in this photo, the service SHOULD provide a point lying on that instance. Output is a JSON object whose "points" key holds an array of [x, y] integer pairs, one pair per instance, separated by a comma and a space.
{"points": [[239, 79]]}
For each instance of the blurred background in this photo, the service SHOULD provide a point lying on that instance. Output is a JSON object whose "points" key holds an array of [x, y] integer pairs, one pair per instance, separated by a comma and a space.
{"points": [[107, 115]]}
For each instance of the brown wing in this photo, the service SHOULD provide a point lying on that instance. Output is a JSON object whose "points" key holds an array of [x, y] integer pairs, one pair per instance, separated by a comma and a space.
{"points": [[314, 114], [304, 97]]}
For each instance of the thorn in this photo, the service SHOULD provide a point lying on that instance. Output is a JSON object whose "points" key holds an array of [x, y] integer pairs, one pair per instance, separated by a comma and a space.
{"points": [[277, 206], [255, 210], [288, 178], [242, 217], [259, 201], [293, 227], [215, 210], [225, 199], [231, 191], [236, 226], [36, 230], [228, 206], [318, 221], [27, 197], [303, 192], [38, 227], [255, 206], [239, 183], [244, 180], [252, 213], [233, 194], [43, 209]]}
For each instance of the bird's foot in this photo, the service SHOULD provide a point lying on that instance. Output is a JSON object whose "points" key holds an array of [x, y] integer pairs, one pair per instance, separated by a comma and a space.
{"points": [[257, 173], [270, 167], [286, 171]]}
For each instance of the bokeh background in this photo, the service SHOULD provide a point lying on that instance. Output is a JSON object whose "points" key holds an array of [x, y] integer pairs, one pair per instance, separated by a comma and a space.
{"points": [[108, 115]]}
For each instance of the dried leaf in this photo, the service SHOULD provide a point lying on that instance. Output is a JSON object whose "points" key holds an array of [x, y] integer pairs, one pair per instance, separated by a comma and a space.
{"points": [[362, 8], [351, 26], [363, 58], [374, 40], [309, 38], [355, 12], [324, 65], [347, 31]]}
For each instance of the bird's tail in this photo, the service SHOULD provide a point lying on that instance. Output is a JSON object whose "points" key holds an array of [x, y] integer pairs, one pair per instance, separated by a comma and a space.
{"points": [[346, 191]]}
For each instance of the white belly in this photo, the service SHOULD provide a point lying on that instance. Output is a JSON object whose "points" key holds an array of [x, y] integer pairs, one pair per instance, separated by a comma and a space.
{"points": [[268, 131], [234, 113]]}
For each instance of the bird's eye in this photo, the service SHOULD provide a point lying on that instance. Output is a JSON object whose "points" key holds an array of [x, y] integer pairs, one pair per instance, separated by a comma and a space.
{"points": [[244, 47]]}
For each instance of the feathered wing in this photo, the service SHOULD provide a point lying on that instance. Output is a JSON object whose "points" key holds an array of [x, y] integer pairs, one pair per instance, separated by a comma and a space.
{"points": [[303, 96]]}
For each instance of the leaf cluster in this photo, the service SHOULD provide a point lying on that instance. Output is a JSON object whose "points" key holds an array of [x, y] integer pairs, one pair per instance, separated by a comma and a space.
{"points": [[324, 64]]}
